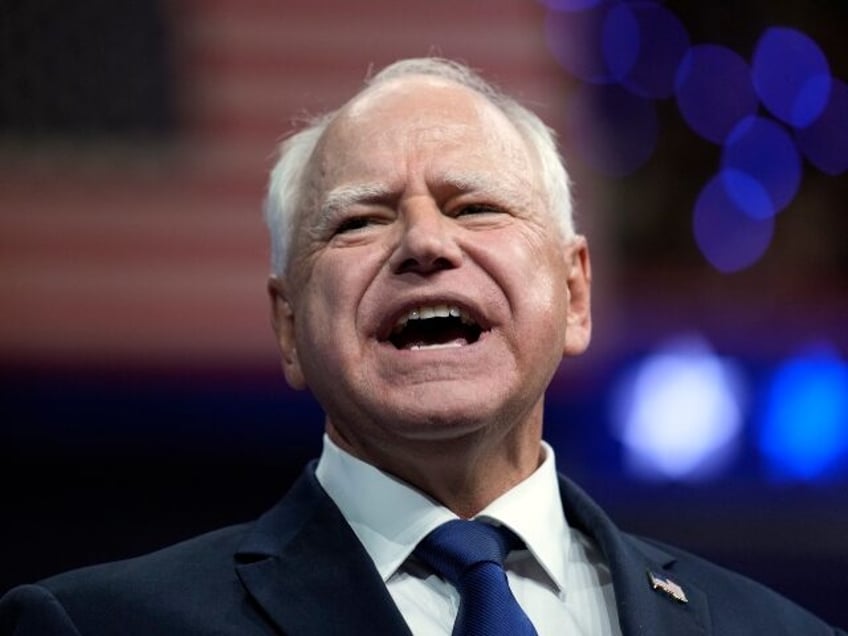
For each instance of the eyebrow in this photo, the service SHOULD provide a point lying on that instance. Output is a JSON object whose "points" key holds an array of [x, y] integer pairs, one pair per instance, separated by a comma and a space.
{"points": [[343, 197], [473, 181], [514, 191], [339, 199], [465, 181]]}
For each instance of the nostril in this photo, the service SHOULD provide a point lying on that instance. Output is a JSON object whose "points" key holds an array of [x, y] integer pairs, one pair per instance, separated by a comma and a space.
{"points": [[408, 265], [443, 263], [424, 266]]}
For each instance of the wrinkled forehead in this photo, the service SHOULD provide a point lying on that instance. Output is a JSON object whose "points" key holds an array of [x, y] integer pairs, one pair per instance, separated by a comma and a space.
{"points": [[416, 118]]}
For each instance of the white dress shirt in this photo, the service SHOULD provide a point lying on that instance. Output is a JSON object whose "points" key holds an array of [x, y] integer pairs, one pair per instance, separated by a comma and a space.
{"points": [[561, 580]]}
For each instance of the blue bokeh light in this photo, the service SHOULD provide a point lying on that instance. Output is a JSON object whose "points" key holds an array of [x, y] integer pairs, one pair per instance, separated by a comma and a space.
{"points": [[576, 41], [732, 237], [612, 131], [791, 75], [804, 429], [714, 90], [825, 141], [620, 40], [763, 150], [643, 45], [679, 413], [571, 5], [747, 194]]}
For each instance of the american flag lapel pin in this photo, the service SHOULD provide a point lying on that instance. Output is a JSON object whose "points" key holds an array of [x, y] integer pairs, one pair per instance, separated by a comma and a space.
{"points": [[667, 586]]}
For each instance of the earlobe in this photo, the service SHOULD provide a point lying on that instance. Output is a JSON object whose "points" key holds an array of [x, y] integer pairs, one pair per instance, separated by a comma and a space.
{"points": [[579, 315], [283, 323]]}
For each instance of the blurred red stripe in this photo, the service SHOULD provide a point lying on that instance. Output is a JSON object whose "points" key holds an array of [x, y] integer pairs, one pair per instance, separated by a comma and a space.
{"points": [[140, 252]]}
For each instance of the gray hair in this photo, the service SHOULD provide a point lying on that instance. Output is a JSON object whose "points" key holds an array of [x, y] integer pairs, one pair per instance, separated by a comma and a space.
{"points": [[288, 183]]}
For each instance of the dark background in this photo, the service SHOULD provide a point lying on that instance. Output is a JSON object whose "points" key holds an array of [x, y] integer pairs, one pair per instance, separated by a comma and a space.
{"points": [[140, 397]]}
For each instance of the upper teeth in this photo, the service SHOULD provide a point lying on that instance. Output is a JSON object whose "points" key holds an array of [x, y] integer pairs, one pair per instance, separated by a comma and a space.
{"points": [[426, 312]]}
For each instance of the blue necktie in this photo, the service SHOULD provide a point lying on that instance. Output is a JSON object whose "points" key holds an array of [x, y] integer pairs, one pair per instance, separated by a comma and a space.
{"points": [[469, 555]]}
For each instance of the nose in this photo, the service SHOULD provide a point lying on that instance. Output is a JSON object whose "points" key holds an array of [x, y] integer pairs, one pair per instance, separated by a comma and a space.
{"points": [[427, 242]]}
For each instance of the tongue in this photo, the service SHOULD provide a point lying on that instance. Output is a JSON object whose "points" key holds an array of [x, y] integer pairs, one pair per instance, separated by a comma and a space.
{"points": [[430, 333]]}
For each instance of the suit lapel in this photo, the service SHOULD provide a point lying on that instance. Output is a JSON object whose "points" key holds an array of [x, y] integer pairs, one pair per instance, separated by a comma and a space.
{"points": [[309, 573], [645, 608], [305, 568]]}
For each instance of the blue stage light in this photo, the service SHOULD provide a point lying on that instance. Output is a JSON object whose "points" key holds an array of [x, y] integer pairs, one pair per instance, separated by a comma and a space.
{"points": [[571, 5], [732, 230], [804, 430], [621, 40], [643, 45], [679, 413], [610, 129], [577, 43], [763, 150], [747, 193], [791, 75], [714, 90], [825, 141]]}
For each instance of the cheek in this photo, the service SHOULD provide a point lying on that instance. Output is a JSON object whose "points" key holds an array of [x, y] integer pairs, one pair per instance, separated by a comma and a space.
{"points": [[332, 297], [317, 306], [535, 282], [531, 271]]}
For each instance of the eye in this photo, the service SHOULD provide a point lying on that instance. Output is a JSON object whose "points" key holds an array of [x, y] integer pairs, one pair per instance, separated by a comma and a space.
{"points": [[352, 224], [477, 208]]}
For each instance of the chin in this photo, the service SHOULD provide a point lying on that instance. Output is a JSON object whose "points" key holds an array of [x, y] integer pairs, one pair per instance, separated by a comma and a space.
{"points": [[441, 419]]}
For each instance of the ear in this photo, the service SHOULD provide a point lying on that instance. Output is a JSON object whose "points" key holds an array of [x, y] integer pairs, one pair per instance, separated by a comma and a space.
{"points": [[579, 317], [282, 320]]}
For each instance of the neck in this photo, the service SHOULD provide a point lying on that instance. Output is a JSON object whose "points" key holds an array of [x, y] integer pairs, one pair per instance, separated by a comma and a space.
{"points": [[464, 474]]}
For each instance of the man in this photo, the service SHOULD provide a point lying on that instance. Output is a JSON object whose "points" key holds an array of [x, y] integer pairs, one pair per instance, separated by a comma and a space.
{"points": [[427, 282]]}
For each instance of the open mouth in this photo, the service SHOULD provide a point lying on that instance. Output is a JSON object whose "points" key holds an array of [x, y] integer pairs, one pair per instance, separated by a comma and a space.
{"points": [[435, 327]]}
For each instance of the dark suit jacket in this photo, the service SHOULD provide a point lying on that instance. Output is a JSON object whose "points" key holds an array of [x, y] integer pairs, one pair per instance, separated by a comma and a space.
{"points": [[300, 569]]}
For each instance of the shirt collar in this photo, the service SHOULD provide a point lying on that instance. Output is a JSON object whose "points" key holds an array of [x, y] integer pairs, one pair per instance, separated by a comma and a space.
{"points": [[533, 510], [390, 517]]}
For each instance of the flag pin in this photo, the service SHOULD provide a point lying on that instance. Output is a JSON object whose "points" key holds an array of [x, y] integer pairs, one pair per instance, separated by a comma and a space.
{"points": [[668, 586]]}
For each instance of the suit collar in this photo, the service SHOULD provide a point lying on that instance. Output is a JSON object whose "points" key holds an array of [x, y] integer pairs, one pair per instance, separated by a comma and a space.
{"points": [[308, 572], [643, 609], [304, 566]]}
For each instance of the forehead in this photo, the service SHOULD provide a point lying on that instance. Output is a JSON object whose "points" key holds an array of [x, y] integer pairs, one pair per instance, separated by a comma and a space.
{"points": [[419, 125]]}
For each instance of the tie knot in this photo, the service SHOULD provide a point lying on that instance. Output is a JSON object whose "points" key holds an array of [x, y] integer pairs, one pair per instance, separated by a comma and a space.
{"points": [[455, 546]]}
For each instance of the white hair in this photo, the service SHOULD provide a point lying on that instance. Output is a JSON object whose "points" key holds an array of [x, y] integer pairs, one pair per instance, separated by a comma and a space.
{"points": [[288, 185]]}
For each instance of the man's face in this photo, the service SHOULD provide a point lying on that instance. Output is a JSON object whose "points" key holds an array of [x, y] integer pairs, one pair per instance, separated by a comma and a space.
{"points": [[429, 294]]}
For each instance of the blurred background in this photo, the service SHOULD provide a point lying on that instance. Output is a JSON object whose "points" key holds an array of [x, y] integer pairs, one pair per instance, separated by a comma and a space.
{"points": [[141, 400]]}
